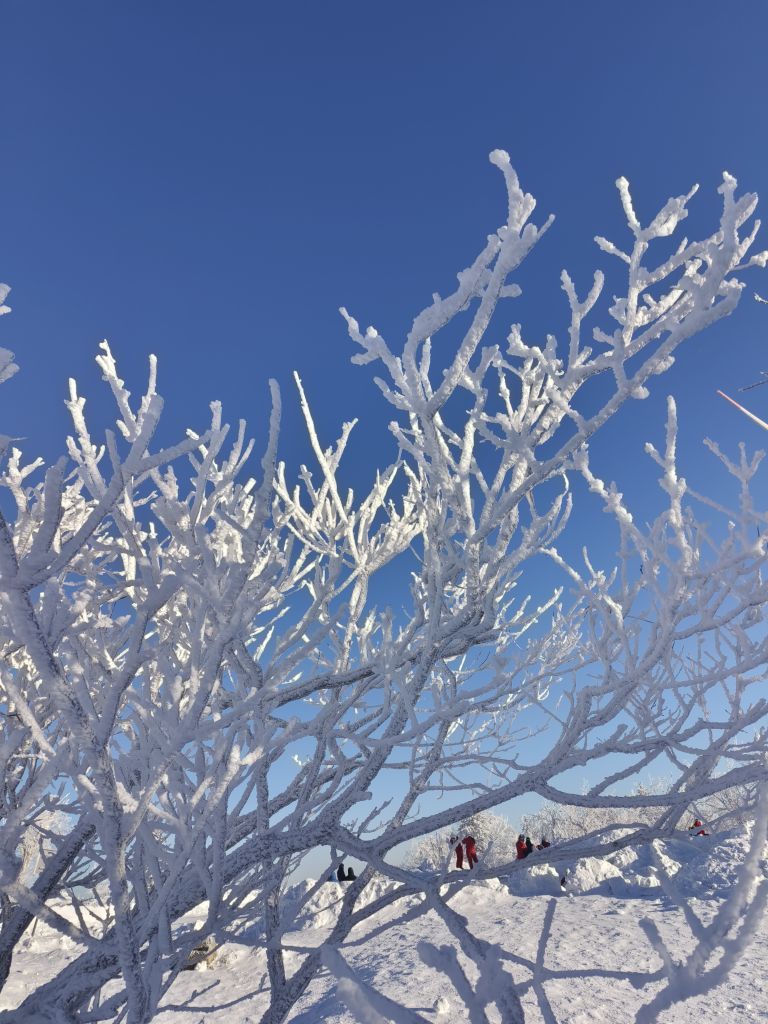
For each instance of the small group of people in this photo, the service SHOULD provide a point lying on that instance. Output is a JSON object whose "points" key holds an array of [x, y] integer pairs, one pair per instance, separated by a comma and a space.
{"points": [[348, 876], [524, 846], [466, 847], [697, 829]]}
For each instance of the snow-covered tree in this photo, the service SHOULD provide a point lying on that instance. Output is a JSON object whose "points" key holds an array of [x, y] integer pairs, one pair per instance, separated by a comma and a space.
{"points": [[493, 834], [558, 822], [193, 673], [724, 809], [434, 852], [728, 808]]}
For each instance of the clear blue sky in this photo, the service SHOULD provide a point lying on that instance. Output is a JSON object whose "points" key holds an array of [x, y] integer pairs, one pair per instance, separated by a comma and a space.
{"points": [[210, 181]]}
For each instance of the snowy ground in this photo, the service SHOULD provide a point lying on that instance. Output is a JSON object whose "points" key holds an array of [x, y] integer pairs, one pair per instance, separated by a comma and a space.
{"points": [[596, 947]]}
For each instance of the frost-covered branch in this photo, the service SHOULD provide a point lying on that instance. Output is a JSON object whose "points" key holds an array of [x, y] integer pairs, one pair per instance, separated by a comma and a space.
{"points": [[195, 677]]}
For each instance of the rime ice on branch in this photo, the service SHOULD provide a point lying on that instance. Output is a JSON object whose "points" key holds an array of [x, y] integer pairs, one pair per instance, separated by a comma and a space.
{"points": [[199, 689]]}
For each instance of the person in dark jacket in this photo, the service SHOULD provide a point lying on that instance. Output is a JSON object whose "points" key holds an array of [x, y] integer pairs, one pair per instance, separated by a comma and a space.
{"points": [[351, 876], [544, 844], [341, 874], [522, 850], [528, 845], [470, 848], [459, 855]]}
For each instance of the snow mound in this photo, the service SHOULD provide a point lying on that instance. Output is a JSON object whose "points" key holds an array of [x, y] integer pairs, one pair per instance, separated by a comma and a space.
{"points": [[705, 867], [537, 880], [320, 910], [42, 935], [596, 875], [304, 909], [708, 865], [494, 884]]}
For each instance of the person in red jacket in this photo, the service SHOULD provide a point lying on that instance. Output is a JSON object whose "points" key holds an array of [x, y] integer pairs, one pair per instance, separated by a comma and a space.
{"points": [[470, 848], [701, 830], [522, 849]]}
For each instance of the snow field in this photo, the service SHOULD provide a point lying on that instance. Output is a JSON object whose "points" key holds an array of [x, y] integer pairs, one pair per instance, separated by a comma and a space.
{"points": [[596, 953]]}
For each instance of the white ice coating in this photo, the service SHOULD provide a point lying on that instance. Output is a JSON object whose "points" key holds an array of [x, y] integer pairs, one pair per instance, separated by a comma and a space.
{"points": [[196, 681]]}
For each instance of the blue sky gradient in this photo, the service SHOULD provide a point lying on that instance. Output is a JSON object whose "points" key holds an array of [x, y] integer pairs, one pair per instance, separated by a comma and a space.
{"points": [[210, 182]]}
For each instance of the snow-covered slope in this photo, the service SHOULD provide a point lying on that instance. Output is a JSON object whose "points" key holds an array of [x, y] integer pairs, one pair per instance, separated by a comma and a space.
{"points": [[596, 955]]}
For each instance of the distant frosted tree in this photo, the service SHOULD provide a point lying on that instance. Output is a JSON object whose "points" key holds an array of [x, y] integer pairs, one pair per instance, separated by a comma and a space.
{"points": [[194, 673], [557, 821], [729, 808], [494, 835], [433, 852]]}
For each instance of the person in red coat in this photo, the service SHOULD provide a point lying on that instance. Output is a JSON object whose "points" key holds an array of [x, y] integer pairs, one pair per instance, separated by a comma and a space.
{"points": [[522, 849], [470, 847]]}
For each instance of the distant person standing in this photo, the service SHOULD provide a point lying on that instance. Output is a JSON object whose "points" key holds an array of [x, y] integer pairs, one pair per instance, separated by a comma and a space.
{"points": [[528, 846], [522, 849], [470, 848], [459, 851], [351, 876], [341, 874]]}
